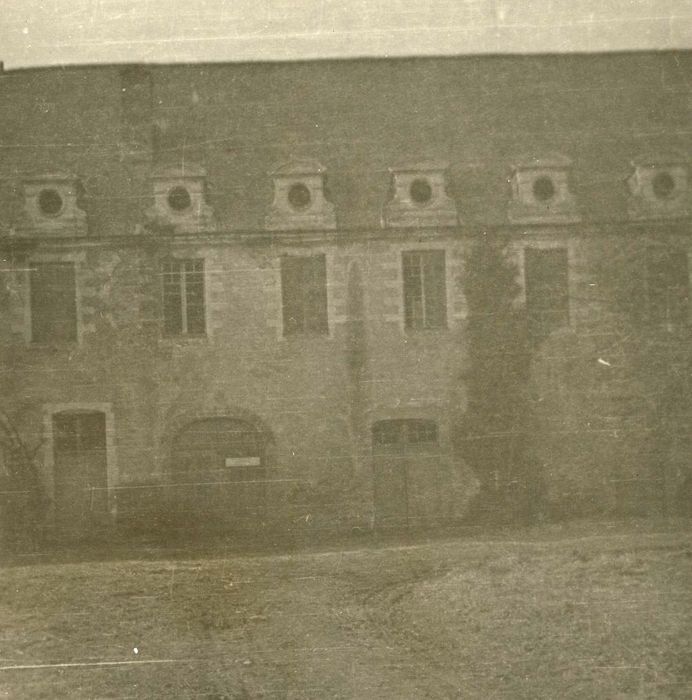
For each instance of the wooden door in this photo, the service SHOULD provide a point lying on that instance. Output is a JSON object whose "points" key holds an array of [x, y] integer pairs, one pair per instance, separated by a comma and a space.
{"points": [[402, 468], [390, 489], [80, 475]]}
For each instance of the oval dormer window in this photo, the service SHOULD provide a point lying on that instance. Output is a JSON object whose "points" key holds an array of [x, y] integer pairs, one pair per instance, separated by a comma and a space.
{"points": [[663, 185], [50, 202], [179, 199], [543, 188], [299, 196], [420, 191]]}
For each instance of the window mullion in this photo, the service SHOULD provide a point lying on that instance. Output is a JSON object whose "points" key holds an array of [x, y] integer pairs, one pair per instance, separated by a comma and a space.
{"points": [[423, 301], [306, 284], [183, 298]]}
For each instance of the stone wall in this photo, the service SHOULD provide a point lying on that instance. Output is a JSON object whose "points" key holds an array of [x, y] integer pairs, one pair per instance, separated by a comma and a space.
{"points": [[319, 395], [299, 386]]}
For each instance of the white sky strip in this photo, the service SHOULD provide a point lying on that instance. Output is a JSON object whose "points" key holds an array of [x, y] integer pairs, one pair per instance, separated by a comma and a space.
{"points": [[45, 32]]}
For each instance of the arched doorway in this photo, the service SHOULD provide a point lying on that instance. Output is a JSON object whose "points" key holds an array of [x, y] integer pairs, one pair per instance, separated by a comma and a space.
{"points": [[219, 473], [80, 476]]}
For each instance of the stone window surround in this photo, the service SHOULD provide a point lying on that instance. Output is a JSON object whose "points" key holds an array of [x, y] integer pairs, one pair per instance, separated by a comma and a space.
{"points": [[644, 203], [315, 213], [540, 191], [112, 472], [277, 296], [568, 245], [66, 222], [306, 261], [404, 209], [652, 254], [451, 272], [78, 258], [180, 254], [190, 180], [184, 335], [422, 324]]}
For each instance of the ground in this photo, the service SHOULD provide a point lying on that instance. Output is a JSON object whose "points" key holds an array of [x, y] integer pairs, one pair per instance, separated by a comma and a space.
{"points": [[543, 613]]}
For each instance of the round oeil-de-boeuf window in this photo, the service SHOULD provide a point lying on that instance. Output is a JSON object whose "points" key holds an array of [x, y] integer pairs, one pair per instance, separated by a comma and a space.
{"points": [[420, 191], [299, 196], [179, 199], [663, 185], [543, 188], [50, 202]]}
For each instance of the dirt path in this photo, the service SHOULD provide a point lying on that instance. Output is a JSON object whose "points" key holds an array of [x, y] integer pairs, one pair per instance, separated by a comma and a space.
{"points": [[246, 628], [440, 620]]}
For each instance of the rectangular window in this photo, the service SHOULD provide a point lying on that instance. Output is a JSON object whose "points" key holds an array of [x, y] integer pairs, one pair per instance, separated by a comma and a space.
{"points": [[183, 297], [547, 289], [425, 289], [667, 278], [53, 303], [304, 294]]}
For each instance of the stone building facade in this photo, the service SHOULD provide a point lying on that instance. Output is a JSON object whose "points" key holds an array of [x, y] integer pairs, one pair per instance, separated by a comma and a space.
{"points": [[232, 294]]}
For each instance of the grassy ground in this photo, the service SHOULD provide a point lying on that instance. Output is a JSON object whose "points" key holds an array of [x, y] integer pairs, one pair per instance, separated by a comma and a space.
{"points": [[542, 613]]}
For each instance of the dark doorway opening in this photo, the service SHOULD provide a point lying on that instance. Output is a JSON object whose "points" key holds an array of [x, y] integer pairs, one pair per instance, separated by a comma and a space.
{"points": [[401, 449], [80, 471], [219, 474]]}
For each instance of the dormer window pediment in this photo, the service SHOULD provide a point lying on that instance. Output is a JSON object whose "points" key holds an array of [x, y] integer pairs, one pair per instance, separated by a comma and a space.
{"points": [[51, 206], [540, 191], [658, 187], [419, 196], [299, 198], [179, 200]]}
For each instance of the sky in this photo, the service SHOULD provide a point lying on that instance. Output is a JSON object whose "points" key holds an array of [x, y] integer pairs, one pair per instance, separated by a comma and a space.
{"points": [[49, 32]]}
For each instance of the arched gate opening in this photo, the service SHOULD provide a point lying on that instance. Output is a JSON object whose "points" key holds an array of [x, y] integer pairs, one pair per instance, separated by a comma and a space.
{"points": [[219, 470]]}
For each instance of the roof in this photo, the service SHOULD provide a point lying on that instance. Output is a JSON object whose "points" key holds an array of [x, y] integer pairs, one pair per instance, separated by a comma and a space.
{"points": [[358, 118], [540, 161], [185, 169], [297, 166]]}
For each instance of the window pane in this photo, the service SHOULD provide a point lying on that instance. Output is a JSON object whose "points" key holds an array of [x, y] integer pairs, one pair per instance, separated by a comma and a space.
{"points": [[304, 294], [53, 303], [315, 287], [194, 288], [668, 287], [413, 291], [291, 292], [425, 294], [435, 289], [183, 297], [172, 298], [547, 292]]}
